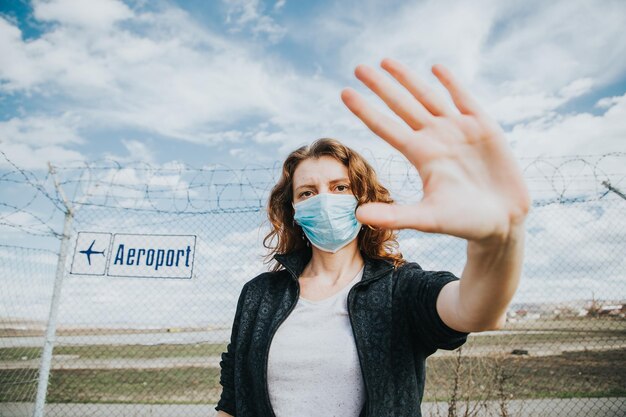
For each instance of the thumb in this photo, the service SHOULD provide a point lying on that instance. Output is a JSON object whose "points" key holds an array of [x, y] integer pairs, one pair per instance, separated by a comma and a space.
{"points": [[396, 216]]}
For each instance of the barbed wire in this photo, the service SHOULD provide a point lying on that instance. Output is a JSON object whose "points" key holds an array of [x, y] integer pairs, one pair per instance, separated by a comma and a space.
{"points": [[178, 188], [29, 178]]}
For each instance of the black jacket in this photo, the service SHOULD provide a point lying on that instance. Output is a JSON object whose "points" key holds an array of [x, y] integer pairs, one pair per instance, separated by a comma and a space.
{"points": [[394, 320]]}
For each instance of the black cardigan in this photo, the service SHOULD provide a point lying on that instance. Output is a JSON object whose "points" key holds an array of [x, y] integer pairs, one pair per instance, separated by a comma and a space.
{"points": [[394, 320]]}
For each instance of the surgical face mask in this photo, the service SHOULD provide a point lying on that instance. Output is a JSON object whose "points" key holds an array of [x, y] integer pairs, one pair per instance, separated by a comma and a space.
{"points": [[328, 220]]}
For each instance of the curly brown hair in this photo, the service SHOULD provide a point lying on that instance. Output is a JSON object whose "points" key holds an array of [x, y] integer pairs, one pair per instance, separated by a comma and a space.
{"points": [[286, 236]]}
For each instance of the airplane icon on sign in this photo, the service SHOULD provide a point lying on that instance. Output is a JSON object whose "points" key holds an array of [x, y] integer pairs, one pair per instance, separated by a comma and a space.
{"points": [[89, 251]]}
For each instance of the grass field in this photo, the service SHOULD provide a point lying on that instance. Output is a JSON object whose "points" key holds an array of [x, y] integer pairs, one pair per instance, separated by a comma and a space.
{"points": [[576, 374], [119, 351], [599, 371]]}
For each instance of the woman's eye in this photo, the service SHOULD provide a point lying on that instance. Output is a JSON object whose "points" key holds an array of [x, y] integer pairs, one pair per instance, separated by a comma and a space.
{"points": [[342, 187], [305, 194]]}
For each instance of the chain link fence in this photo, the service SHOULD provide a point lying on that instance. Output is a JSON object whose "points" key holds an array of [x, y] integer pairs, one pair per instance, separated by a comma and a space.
{"points": [[141, 333]]}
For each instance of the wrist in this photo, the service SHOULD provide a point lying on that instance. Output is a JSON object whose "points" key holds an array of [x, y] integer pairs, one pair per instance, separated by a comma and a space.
{"points": [[505, 237]]}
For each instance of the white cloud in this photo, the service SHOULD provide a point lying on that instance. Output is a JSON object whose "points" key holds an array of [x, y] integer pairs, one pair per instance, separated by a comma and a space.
{"points": [[137, 151], [523, 101], [101, 65], [607, 102], [243, 14], [576, 134], [90, 14], [510, 55], [163, 73], [576, 88], [41, 130], [557, 267], [136, 184], [170, 77], [554, 62], [418, 34], [36, 158], [587, 42], [16, 71], [28, 256], [30, 142], [18, 222]]}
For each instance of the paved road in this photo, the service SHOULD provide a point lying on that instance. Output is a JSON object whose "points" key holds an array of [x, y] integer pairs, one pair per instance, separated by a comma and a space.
{"points": [[207, 336], [577, 407], [540, 349], [76, 362]]}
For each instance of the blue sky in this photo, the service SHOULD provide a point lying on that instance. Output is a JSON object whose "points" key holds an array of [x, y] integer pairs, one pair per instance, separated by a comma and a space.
{"points": [[244, 82]]}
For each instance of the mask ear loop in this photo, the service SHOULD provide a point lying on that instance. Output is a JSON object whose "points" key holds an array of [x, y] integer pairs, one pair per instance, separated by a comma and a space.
{"points": [[293, 223], [308, 244]]}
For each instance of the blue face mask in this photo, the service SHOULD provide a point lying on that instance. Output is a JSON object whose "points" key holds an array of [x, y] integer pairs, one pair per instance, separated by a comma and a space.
{"points": [[328, 220]]}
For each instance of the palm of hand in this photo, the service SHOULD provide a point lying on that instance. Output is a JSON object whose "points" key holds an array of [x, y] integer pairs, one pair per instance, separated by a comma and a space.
{"points": [[473, 187]]}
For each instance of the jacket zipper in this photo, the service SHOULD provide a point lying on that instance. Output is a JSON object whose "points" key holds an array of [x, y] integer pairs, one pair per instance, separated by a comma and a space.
{"points": [[267, 351]]}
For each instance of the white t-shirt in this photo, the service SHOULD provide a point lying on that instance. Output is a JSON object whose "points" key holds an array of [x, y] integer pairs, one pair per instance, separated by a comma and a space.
{"points": [[313, 365]]}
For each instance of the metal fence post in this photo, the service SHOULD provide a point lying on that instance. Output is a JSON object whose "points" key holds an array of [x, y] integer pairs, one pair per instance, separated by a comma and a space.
{"points": [[46, 357]]}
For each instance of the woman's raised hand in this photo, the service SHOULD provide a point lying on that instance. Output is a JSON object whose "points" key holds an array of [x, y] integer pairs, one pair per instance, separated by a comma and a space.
{"points": [[473, 187]]}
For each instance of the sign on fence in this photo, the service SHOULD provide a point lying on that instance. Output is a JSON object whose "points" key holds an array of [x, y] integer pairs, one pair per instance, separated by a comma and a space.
{"points": [[134, 255]]}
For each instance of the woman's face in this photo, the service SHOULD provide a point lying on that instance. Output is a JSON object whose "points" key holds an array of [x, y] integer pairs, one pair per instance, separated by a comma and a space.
{"points": [[320, 175]]}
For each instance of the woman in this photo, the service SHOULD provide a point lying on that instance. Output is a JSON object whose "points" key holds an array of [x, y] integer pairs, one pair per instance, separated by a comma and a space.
{"points": [[342, 325]]}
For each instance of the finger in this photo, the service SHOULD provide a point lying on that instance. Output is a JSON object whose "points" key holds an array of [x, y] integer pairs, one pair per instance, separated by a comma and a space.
{"points": [[410, 110], [431, 100], [396, 216], [397, 135], [461, 97]]}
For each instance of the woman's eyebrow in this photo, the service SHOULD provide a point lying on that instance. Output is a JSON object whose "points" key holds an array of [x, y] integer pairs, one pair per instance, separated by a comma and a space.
{"points": [[344, 179]]}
